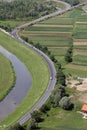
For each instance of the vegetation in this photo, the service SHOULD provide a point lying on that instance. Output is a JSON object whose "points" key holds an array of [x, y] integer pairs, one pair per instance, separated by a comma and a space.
{"points": [[34, 63], [20, 9], [7, 76], [17, 126], [65, 103], [72, 2]]}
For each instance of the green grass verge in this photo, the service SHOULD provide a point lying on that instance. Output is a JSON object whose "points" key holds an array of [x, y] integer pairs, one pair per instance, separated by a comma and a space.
{"points": [[7, 76], [35, 64]]}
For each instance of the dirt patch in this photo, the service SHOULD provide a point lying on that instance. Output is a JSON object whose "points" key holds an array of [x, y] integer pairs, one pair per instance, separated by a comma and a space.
{"points": [[80, 84], [52, 25], [83, 98], [82, 22], [79, 43], [46, 33]]}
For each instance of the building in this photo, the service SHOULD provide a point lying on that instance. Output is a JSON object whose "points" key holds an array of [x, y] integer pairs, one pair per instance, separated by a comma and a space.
{"points": [[84, 111]]}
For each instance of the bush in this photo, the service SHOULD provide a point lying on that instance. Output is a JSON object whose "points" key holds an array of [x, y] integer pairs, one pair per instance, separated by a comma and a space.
{"points": [[65, 103], [17, 126], [61, 79], [45, 108], [36, 115], [56, 95], [33, 125]]}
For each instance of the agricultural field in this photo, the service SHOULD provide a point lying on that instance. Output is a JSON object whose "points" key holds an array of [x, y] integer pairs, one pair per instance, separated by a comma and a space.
{"points": [[58, 33], [7, 76], [33, 62]]}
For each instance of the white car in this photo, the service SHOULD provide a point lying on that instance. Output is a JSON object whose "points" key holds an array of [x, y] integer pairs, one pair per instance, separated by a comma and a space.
{"points": [[51, 78]]}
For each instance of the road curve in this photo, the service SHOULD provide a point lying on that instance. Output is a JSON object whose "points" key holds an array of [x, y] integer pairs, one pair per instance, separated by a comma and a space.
{"points": [[50, 64], [45, 57]]}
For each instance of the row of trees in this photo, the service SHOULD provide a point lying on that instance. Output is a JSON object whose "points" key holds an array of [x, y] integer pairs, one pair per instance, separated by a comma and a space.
{"points": [[69, 54], [19, 9], [72, 2]]}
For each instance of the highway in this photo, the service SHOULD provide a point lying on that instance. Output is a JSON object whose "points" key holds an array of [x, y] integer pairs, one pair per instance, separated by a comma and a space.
{"points": [[50, 64]]}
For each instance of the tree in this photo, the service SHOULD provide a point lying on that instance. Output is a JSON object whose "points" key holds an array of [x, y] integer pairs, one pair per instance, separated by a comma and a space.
{"points": [[65, 103], [61, 78], [44, 108], [36, 115], [33, 125], [17, 126], [68, 56], [56, 95]]}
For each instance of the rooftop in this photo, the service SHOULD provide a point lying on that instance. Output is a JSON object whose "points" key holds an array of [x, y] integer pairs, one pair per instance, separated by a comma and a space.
{"points": [[84, 107]]}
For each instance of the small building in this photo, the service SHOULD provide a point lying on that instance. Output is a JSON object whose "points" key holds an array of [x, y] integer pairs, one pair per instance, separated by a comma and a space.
{"points": [[84, 111]]}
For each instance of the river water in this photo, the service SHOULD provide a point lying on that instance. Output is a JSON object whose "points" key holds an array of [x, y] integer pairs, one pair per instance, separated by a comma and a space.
{"points": [[22, 85]]}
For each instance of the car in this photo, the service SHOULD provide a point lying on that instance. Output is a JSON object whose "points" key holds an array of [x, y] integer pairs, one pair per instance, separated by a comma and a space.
{"points": [[51, 78]]}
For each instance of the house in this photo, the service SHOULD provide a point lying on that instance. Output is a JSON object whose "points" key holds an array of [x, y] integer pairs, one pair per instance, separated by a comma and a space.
{"points": [[84, 111]]}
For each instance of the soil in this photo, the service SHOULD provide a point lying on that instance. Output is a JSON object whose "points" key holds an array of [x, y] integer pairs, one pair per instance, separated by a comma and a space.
{"points": [[52, 25]]}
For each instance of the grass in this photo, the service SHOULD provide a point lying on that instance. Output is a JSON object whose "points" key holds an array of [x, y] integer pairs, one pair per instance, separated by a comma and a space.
{"points": [[35, 64], [57, 51], [11, 24], [76, 71], [58, 20], [80, 60], [51, 41], [7, 76], [59, 119]]}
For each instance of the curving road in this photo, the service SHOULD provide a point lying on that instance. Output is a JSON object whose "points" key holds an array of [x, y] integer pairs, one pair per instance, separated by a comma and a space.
{"points": [[50, 64], [48, 61]]}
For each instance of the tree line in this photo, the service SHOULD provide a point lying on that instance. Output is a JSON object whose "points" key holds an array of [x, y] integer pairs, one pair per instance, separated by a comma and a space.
{"points": [[72, 2]]}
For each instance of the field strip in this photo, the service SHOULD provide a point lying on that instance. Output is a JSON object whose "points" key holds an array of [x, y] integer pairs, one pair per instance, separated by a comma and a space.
{"points": [[79, 43], [48, 34], [52, 25], [80, 52], [43, 32], [56, 47], [82, 22], [78, 67], [80, 40]]}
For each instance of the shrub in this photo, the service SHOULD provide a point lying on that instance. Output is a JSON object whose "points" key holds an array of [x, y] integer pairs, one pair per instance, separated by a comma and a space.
{"points": [[36, 115], [65, 103]]}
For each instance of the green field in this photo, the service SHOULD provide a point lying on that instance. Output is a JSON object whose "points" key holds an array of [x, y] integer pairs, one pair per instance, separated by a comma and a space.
{"points": [[80, 60], [35, 64], [59, 20], [48, 33], [59, 119], [7, 76], [60, 29]]}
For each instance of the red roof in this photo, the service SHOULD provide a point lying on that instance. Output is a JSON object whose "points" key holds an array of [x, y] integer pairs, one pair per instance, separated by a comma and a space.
{"points": [[84, 107]]}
